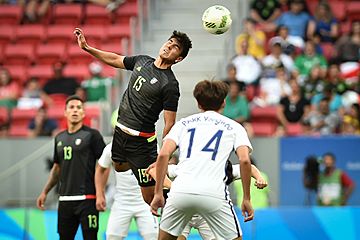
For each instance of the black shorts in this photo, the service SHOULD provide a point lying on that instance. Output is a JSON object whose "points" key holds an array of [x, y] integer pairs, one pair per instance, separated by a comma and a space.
{"points": [[139, 152], [73, 213]]}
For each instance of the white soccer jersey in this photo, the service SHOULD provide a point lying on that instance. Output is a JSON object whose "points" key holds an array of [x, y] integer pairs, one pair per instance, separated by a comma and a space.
{"points": [[127, 188], [205, 141]]}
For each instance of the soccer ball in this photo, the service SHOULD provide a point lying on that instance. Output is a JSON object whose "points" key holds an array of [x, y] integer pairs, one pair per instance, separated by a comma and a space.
{"points": [[216, 19]]}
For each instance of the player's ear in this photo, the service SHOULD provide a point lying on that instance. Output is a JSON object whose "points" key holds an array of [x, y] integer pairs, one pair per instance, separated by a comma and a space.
{"points": [[223, 104], [179, 59]]}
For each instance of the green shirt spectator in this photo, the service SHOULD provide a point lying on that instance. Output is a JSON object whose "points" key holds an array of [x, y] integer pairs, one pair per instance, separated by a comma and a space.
{"points": [[236, 103]]}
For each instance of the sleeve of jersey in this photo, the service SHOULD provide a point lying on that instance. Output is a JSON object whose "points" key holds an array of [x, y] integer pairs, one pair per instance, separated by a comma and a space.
{"points": [[129, 62], [172, 170], [174, 133], [105, 158], [241, 138], [98, 144], [171, 95]]}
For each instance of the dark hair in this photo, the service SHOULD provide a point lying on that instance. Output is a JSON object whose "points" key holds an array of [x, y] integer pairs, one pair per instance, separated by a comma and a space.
{"points": [[210, 95], [311, 172], [329, 154], [184, 41], [73, 97]]}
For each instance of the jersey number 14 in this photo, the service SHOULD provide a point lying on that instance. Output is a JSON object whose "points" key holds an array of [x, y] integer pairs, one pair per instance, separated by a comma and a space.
{"points": [[216, 138]]}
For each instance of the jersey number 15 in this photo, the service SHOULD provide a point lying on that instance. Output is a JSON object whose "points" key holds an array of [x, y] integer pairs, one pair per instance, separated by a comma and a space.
{"points": [[216, 138]]}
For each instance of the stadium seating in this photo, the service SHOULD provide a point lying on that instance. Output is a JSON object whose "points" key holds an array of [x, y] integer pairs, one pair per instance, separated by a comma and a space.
{"points": [[80, 72], [19, 54], [263, 129], [113, 47], [41, 72], [97, 15], [18, 73], [20, 119], [60, 34], [77, 56], [7, 34], [115, 33], [328, 50], [264, 120], [4, 115], [353, 10], [30, 34], [94, 34], [69, 14], [10, 15], [58, 99], [48, 54], [294, 129], [125, 12], [339, 9]]}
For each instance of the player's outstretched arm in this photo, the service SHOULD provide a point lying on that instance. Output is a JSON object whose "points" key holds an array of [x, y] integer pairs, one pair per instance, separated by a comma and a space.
{"points": [[51, 182], [166, 151], [109, 58], [101, 177], [245, 170]]}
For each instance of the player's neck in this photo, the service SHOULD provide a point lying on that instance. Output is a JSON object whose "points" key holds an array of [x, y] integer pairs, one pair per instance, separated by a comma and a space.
{"points": [[74, 127], [161, 63]]}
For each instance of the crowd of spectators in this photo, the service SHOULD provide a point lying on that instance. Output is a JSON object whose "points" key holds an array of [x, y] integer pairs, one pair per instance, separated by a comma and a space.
{"points": [[282, 61]]}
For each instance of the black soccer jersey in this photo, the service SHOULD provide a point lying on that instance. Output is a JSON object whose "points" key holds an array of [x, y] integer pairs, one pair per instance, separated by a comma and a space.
{"points": [[150, 91], [77, 154]]}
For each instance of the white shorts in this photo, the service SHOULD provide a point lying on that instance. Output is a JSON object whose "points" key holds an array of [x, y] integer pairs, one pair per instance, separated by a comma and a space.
{"points": [[121, 216], [199, 224], [218, 213]]}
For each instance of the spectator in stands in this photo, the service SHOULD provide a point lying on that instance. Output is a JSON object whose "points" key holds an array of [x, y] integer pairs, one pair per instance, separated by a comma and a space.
{"points": [[60, 84], [255, 38], [324, 24], [329, 92], [288, 43], [236, 104], [41, 125], [273, 89], [230, 74], [306, 61], [321, 121], [335, 186], [248, 68], [35, 10], [334, 77], [314, 84], [296, 20], [350, 124], [32, 95], [97, 87], [265, 11], [276, 58], [9, 89], [293, 108], [348, 46], [310, 179]]}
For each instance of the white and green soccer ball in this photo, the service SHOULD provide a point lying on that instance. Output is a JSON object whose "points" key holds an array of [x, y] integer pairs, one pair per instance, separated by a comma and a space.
{"points": [[216, 19]]}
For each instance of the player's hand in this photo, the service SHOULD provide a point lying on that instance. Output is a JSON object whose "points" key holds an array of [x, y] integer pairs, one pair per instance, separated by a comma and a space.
{"points": [[260, 183], [247, 210], [80, 38], [151, 171], [157, 202], [100, 203], [40, 201]]}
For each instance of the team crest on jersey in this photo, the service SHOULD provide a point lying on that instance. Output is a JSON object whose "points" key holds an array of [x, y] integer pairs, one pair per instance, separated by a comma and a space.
{"points": [[59, 144], [78, 141], [153, 81], [138, 68]]}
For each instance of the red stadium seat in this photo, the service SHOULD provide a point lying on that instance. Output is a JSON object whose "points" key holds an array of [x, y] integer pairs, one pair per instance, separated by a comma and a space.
{"points": [[311, 4], [60, 34], [20, 119], [113, 47], [109, 71], [93, 112], [18, 73], [70, 14], [125, 12], [80, 72], [30, 34], [264, 114], [58, 99], [75, 55], [263, 129], [98, 15], [353, 10], [4, 115], [294, 129], [328, 50], [48, 54], [10, 14], [7, 34], [19, 54], [94, 34], [115, 33], [42, 72], [339, 10], [56, 112]]}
